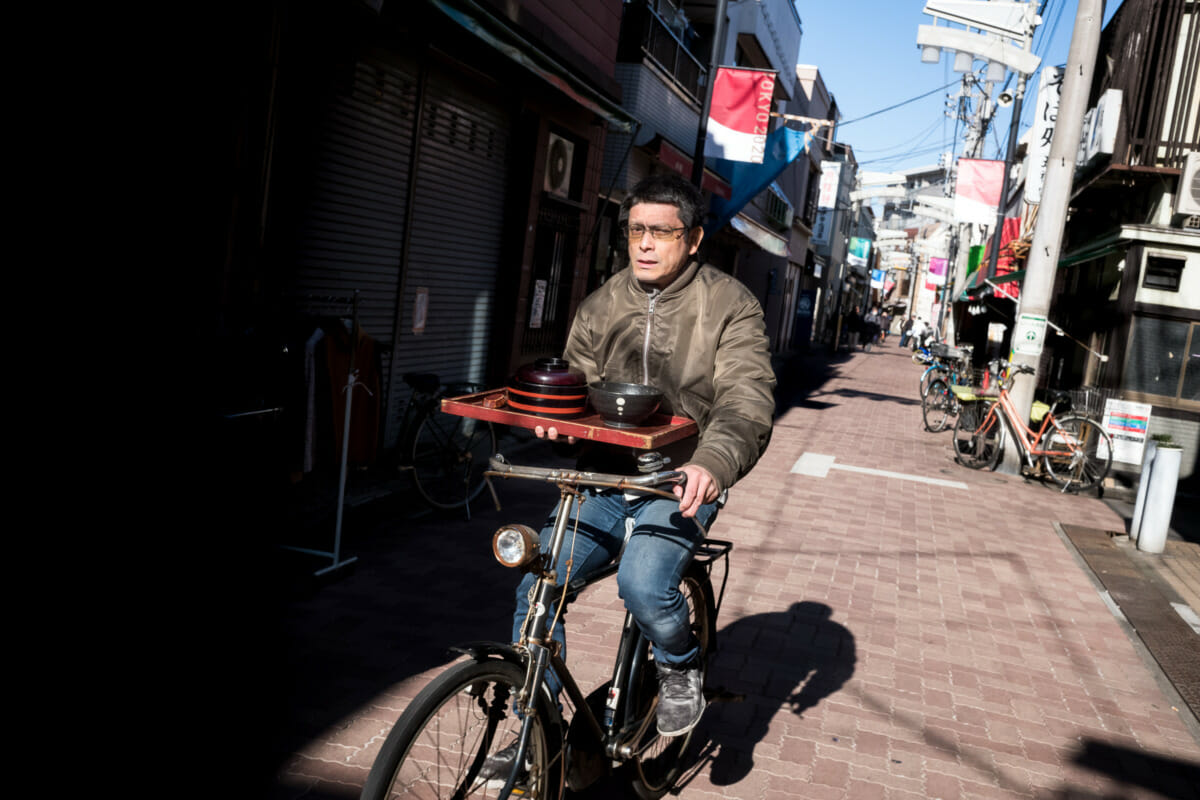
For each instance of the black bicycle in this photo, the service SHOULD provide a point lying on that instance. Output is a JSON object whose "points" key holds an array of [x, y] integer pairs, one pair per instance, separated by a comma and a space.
{"points": [[499, 695], [446, 454]]}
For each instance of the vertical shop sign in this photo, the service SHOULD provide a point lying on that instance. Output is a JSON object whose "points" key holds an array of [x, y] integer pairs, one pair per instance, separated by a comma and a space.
{"points": [[420, 310], [538, 305], [1049, 92]]}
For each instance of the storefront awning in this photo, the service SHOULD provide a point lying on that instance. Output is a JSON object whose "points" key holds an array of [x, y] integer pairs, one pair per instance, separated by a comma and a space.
{"points": [[768, 240], [681, 162], [978, 285], [489, 29]]}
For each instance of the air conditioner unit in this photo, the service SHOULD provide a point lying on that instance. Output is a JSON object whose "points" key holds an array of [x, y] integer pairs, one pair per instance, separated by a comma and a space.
{"points": [[1187, 196], [559, 156]]}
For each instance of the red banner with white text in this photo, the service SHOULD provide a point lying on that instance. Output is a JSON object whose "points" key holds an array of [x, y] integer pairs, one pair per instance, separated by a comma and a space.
{"points": [[740, 116]]}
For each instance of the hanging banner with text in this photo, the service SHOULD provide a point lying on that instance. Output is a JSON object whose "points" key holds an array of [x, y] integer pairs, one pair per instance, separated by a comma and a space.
{"points": [[937, 273], [740, 116], [1038, 154], [977, 190], [860, 251]]}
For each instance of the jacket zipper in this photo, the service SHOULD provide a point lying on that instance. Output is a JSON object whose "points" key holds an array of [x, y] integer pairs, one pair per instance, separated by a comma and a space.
{"points": [[652, 299]]}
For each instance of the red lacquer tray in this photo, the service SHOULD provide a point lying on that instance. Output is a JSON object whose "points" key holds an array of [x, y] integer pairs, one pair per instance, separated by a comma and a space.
{"points": [[492, 406]]}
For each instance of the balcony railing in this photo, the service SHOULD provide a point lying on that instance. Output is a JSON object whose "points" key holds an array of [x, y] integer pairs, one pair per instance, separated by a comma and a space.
{"points": [[1158, 118], [644, 34]]}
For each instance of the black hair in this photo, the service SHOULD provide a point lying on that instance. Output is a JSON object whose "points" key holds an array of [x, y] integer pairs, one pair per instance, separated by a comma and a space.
{"points": [[670, 189]]}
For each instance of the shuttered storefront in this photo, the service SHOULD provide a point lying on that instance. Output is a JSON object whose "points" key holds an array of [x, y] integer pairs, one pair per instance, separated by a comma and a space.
{"points": [[352, 232]]}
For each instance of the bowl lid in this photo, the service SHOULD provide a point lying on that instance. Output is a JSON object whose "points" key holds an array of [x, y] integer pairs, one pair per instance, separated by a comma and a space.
{"points": [[550, 372]]}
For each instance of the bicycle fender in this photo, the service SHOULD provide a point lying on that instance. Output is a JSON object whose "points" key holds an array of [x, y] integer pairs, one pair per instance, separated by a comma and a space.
{"points": [[482, 651]]}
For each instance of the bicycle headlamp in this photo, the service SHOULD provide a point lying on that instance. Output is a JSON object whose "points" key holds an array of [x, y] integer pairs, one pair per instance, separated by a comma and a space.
{"points": [[516, 545]]}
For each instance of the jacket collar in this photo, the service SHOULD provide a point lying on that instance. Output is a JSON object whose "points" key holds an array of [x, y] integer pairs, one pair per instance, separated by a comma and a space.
{"points": [[675, 287]]}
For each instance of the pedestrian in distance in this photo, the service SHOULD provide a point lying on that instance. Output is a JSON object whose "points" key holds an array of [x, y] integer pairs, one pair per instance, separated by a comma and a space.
{"points": [[905, 330], [917, 333], [631, 330], [871, 326]]}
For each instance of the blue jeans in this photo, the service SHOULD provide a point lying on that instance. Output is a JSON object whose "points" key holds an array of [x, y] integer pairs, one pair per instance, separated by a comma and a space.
{"points": [[658, 551]]}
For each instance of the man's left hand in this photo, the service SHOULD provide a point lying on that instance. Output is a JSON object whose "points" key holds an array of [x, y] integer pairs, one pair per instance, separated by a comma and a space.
{"points": [[700, 488]]}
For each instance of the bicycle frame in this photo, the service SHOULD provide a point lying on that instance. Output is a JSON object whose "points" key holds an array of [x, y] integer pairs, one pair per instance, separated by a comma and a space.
{"points": [[1025, 436], [537, 651]]}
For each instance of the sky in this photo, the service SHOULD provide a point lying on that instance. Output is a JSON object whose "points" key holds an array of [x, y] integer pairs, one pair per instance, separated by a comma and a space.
{"points": [[867, 54]]}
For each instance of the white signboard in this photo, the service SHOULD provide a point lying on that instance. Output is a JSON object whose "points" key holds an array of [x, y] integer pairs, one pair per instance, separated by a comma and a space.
{"points": [[1044, 120], [1100, 127], [1127, 424], [538, 305], [1029, 335], [831, 177]]}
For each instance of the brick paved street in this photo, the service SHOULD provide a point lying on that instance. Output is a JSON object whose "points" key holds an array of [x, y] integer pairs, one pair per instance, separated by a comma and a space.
{"points": [[882, 637]]}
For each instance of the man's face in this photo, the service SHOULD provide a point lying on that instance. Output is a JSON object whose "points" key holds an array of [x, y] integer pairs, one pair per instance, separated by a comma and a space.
{"points": [[657, 262]]}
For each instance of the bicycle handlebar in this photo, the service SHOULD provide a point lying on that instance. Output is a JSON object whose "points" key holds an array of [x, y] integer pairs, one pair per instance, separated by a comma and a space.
{"points": [[499, 467]]}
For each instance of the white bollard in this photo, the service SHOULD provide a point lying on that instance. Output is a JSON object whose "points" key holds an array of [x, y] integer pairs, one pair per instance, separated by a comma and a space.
{"points": [[1143, 486], [1160, 499]]}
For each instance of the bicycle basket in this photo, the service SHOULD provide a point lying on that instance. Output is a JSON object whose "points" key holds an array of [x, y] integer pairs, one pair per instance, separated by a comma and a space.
{"points": [[984, 383], [1089, 400], [943, 350]]}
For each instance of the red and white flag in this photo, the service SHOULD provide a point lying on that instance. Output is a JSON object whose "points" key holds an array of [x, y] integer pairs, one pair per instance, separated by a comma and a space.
{"points": [[740, 115], [977, 190]]}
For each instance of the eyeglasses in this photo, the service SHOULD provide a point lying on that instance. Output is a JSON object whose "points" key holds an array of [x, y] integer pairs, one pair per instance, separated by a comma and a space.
{"points": [[660, 234]]}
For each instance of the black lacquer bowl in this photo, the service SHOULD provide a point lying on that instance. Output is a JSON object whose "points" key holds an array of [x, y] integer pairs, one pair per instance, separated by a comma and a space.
{"points": [[624, 405]]}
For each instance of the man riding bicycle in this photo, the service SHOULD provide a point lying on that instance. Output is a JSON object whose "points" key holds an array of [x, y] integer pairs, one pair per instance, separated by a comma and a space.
{"points": [[698, 335]]}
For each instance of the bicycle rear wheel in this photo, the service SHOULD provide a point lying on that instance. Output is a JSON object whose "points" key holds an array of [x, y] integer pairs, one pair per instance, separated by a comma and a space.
{"points": [[939, 406], [977, 436], [1079, 453], [656, 763], [449, 456], [439, 744]]}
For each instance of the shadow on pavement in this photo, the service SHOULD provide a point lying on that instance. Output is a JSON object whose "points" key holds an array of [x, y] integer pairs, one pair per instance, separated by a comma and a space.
{"points": [[1168, 777], [792, 658]]}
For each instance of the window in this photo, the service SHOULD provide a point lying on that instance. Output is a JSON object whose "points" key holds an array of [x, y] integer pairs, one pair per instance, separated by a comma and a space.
{"points": [[1164, 358], [1162, 273]]}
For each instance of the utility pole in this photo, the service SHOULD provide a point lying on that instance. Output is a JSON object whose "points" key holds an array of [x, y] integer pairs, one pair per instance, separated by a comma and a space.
{"points": [[714, 61], [1033, 309]]}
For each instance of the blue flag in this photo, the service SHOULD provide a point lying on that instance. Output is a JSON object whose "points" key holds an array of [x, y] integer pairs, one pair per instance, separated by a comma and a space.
{"points": [[746, 179]]}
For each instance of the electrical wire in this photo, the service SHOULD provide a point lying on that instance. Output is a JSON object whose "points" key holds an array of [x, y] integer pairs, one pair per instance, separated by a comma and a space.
{"points": [[897, 105]]}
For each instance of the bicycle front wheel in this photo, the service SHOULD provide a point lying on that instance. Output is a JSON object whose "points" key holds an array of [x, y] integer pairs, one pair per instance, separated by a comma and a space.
{"points": [[438, 747], [656, 762], [1077, 453], [933, 374], [977, 436], [938, 407], [449, 456]]}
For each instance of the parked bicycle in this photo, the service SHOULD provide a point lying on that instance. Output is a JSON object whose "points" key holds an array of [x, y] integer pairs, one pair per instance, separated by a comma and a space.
{"points": [[939, 405], [1075, 451], [446, 454], [441, 743]]}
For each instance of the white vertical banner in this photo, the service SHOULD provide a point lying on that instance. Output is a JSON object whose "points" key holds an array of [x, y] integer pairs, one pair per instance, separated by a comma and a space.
{"points": [[831, 178], [1045, 117]]}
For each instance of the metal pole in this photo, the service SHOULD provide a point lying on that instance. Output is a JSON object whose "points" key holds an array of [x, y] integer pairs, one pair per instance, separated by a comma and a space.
{"points": [[1037, 288], [714, 61]]}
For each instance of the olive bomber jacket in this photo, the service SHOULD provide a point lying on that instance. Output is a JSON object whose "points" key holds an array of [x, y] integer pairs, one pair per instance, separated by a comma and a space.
{"points": [[702, 341]]}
